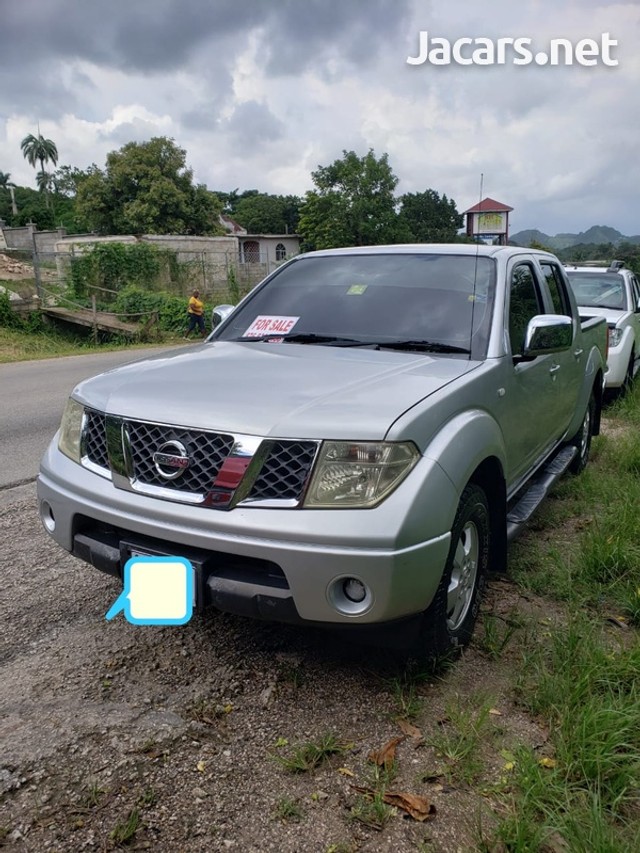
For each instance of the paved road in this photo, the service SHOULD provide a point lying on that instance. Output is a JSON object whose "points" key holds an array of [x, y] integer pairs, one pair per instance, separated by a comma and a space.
{"points": [[32, 398]]}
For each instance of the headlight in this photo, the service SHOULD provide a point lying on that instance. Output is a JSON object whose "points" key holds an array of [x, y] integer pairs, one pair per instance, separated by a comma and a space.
{"points": [[615, 336], [71, 430], [359, 474]]}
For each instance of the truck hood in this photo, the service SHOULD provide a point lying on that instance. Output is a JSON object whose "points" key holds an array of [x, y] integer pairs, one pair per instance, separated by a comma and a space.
{"points": [[278, 390]]}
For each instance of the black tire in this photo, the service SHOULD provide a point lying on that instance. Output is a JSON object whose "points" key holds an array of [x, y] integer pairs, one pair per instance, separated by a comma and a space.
{"points": [[627, 385], [582, 439], [448, 623]]}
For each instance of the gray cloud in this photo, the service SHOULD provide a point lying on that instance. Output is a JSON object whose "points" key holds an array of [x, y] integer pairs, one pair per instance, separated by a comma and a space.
{"points": [[253, 123]]}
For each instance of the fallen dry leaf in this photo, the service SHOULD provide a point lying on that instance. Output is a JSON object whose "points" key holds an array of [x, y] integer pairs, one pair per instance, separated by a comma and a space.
{"points": [[418, 807], [409, 730], [547, 762], [201, 766], [494, 712], [344, 771], [385, 756]]}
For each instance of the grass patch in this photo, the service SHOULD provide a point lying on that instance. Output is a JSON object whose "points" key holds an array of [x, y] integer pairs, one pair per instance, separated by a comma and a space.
{"points": [[580, 678], [17, 345], [125, 830], [459, 738], [308, 756], [288, 810]]}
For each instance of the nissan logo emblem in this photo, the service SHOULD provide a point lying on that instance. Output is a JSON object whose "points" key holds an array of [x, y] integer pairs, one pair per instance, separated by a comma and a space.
{"points": [[171, 459]]}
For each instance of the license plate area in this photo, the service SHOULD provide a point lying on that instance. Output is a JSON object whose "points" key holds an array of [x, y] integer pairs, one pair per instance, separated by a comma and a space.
{"points": [[129, 550]]}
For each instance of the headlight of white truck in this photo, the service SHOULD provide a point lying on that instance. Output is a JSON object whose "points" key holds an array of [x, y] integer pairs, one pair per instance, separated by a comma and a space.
{"points": [[71, 430], [615, 336], [359, 474]]}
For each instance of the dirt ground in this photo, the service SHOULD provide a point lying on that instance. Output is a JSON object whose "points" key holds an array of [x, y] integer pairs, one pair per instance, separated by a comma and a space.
{"points": [[180, 729]]}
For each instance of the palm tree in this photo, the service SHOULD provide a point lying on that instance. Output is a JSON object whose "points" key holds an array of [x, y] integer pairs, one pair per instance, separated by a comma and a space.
{"points": [[6, 184], [38, 149], [45, 181]]}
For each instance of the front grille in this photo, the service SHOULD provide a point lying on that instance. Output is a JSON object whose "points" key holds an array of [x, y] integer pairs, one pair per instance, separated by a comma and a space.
{"points": [[283, 475], [95, 439], [285, 472], [206, 451]]}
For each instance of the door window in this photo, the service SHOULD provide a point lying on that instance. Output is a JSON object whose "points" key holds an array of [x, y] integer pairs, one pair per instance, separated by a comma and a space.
{"points": [[523, 306]]}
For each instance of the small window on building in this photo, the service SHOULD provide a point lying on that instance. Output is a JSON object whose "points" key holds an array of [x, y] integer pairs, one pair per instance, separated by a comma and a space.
{"points": [[281, 252], [251, 252]]}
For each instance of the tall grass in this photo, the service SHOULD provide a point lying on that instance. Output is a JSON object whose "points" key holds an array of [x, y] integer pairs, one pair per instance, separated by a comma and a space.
{"points": [[581, 679]]}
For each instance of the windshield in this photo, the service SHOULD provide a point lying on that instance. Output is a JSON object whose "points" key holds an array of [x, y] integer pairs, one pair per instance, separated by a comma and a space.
{"points": [[429, 302], [598, 290]]}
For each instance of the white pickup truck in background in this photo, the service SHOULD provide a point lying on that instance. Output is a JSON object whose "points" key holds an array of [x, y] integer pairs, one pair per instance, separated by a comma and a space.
{"points": [[613, 293]]}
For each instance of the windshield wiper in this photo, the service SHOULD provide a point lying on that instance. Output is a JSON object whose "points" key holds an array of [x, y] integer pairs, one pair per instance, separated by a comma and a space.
{"points": [[306, 338], [423, 346]]}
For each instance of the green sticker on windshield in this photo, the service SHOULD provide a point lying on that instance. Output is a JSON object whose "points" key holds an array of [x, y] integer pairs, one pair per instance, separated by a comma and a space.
{"points": [[356, 290]]}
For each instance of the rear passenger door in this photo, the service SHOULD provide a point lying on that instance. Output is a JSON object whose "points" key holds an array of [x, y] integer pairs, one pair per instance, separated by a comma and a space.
{"points": [[571, 364], [529, 413]]}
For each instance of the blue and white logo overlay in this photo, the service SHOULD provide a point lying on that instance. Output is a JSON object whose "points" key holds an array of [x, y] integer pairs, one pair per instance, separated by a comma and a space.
{"points": [[157, 591]]}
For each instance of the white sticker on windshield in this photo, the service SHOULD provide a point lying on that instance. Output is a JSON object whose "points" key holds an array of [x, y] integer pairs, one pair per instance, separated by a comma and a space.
{"points": [[268, 324]]}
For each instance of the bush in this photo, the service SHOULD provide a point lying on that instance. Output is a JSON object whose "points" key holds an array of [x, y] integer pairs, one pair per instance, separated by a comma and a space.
{"points": [[171, 310], [114, 266]]}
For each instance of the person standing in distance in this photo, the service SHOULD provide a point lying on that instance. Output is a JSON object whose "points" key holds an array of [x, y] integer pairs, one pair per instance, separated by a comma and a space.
{"points": [[195, 313]]}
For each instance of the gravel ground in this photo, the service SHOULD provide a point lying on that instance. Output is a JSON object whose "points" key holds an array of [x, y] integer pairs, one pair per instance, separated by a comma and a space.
{"points": [[179, 730]]}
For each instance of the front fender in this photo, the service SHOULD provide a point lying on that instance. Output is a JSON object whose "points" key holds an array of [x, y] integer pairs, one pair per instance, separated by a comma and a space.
{"points": [[464, 443]]}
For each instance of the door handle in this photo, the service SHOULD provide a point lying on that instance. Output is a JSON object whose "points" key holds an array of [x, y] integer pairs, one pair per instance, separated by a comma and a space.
{"points": [[577, 353], [554, 369]]}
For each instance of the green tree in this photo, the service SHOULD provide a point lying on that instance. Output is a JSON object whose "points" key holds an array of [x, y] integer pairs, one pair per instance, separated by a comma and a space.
{"points": [[37, 149], [146, 188], [428, 218], [9, 186], [262, 214], [353, 203]]}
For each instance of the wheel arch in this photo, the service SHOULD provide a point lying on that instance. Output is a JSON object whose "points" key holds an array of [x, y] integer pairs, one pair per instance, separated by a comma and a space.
{"points": [[489, 476]]}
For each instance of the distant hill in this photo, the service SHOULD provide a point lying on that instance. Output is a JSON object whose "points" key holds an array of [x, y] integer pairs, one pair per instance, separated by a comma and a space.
{"points": [[597, 234]]}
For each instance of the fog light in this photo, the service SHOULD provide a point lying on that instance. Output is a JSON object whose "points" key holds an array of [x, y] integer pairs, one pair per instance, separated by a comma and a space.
{"points": [[354, 590], [47, 517], [350, 596]]}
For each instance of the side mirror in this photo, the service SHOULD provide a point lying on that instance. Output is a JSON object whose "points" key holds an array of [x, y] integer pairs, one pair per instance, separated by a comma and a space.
{"points": [[220, 313], [548, 333]]}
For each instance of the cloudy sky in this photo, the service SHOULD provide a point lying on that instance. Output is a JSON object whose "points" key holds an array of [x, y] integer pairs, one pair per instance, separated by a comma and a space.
{"points": [[261, 92]]}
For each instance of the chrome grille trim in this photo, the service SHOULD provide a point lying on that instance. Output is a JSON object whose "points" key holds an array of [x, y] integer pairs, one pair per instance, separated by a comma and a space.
{"points": [[226, 470]]}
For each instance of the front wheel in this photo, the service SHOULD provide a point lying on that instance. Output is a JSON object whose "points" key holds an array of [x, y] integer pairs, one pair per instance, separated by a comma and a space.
{"points": [[627, 385], [582, 439], [448, 623]]}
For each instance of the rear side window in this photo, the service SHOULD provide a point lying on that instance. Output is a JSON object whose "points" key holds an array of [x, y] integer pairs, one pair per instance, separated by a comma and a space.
{"points": [[555, 284], [524, 304]]}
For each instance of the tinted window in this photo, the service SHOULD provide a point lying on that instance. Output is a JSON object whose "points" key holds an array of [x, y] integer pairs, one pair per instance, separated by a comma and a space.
{"points": [[523, 305], [445, 299], [556, 288]]}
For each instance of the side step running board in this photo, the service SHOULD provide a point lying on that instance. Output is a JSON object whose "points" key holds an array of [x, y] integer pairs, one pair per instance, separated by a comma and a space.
{"points": [[537, 491]]}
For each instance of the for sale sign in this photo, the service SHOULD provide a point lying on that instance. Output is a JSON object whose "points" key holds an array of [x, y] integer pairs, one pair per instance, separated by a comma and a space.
{"points": [[269, 324]]}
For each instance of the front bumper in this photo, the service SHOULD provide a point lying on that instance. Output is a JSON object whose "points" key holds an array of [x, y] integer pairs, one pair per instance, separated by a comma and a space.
{"points": [[280, 564]]}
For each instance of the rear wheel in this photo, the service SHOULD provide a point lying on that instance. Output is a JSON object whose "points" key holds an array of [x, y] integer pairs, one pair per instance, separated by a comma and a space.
{"points": [[582, 439], [448, 623]]}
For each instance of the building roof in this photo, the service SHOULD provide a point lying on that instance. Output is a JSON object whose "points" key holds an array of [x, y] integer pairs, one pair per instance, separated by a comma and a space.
{"points": [[231, 225], [488, 205]]}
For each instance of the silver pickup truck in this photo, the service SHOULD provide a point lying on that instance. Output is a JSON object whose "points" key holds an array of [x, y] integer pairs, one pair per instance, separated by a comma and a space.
{"points": [[353, 446]]}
